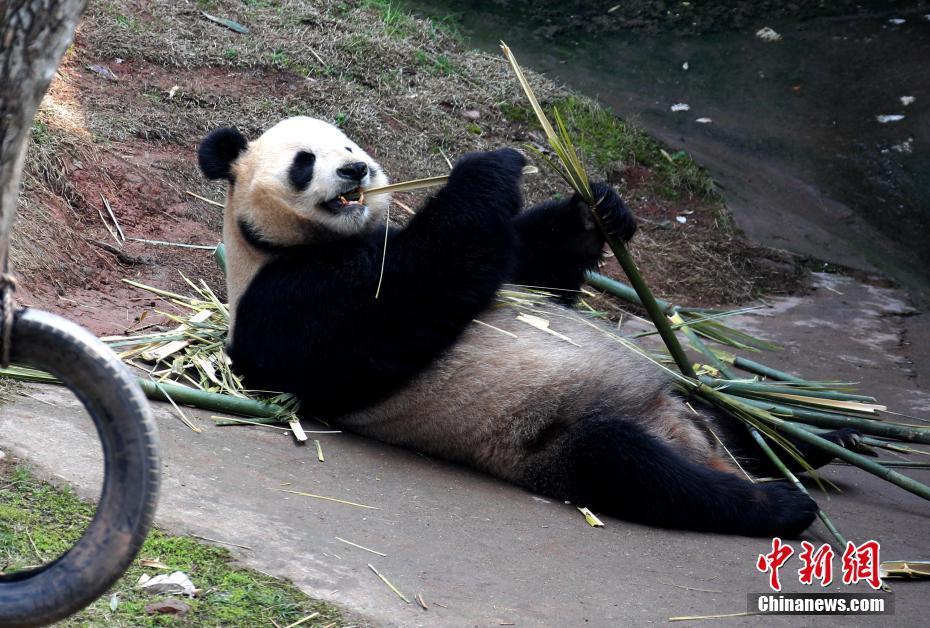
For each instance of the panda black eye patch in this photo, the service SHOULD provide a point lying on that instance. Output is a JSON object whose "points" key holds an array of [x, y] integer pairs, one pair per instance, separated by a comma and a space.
{"points": [[301, 171]]}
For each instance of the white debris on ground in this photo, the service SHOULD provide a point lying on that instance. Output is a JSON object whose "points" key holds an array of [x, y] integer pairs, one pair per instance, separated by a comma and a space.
{"points": [[897, 21], [681, 219], [703, 120], [177, 582], [768, 34], [685, 66], [889, 117], [907, 100], [680, 106], [905, 148]]}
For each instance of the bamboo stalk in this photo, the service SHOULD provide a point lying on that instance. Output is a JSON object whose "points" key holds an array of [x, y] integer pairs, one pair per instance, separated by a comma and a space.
{"points": [[835, 420], [766, 371], [620, 289], [760, 441], [219, 254], [867, 464], [762, 387], [166, 391], [211, 401], [776, 460], [656, 312]]}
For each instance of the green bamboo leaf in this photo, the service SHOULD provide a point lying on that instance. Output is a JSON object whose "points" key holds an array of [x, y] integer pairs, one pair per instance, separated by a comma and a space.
{"points": [[222, 21]]}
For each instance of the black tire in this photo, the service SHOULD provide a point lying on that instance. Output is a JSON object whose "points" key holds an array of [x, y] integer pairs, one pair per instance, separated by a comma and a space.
{"points": [[130, 485]]}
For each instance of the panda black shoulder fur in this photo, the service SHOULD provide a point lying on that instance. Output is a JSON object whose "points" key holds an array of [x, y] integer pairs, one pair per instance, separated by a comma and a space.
{"points": [[594, 424]]}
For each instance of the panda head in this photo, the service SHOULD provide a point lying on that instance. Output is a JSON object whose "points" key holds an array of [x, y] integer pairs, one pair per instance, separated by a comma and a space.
{"points": [[302, 181]]}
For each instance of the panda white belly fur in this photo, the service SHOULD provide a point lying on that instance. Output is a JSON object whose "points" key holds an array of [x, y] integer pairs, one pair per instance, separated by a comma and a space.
{"points": [[489, 398]]}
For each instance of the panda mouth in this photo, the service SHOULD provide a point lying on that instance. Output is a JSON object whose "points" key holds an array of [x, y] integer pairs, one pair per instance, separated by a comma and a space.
{"points": [[353, 199]]}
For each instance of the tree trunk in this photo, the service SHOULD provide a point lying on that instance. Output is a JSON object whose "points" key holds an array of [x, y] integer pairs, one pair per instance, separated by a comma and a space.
{"points": [[34, 35]]}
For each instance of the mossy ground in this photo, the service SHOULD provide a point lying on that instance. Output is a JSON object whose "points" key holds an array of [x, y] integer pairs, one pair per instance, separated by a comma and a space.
{"points": [[608, 141], [39, 521]]}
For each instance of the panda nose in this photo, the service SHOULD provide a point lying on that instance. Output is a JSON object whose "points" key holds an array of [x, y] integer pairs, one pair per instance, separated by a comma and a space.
{"points": [[354, 171]]}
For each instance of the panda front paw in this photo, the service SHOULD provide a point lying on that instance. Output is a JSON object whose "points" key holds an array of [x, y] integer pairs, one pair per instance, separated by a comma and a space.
{"points": [[616, 217]]}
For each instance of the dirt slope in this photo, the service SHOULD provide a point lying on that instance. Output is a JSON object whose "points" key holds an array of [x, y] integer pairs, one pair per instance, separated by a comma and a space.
{"points": [[145, 81]]}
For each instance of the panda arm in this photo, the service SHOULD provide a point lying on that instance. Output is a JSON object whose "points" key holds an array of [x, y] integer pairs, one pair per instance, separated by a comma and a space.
{"points": [[460, 247], [558, 240]]}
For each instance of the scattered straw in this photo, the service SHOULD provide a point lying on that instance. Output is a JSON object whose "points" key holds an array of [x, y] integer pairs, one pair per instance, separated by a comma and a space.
{"points": [[721, 616], [361, 547], [119, 230], [388, 582], [180, 245], [206, 538], [225, 420], [300, 621], [204, 199], [591, 518], [329, 499]]}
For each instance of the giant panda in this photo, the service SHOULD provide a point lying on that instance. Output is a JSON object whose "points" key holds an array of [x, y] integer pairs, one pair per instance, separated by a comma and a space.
{"points": [[434, 363]]}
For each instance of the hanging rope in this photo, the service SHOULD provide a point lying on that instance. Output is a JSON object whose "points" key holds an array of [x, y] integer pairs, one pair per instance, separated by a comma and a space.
{"points": [[7, 288]]}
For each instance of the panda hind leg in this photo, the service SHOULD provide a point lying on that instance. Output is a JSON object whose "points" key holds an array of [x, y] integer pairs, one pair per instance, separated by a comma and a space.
{"points": [[741, 444], [613, 466]]}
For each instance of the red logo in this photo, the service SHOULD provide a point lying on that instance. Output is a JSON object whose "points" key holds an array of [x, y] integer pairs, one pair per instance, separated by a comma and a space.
{"points": [[817, 564], [773, 561], [860, 563]]}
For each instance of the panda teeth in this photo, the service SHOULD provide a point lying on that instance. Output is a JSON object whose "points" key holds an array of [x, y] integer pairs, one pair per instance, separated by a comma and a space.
{"points": [[342, 201]]}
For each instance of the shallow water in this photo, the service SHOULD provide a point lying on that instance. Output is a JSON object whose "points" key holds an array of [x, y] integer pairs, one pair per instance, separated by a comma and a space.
{"points": [[793, 137]]}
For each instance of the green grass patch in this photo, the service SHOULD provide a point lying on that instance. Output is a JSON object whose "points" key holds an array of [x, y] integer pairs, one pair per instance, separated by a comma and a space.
{"points": [[40, 133], [605, 139], [398, 23], [39, 521], [440, 65]]}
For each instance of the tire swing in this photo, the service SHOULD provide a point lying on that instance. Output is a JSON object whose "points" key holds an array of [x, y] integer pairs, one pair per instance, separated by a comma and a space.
{"points": [[127, 433]]}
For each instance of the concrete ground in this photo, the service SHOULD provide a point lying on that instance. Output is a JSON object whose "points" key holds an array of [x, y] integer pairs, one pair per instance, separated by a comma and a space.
{"points": [[482, 553]]}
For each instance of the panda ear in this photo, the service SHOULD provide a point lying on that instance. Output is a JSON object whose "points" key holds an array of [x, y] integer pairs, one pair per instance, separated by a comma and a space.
{"points": [[218, 151]]}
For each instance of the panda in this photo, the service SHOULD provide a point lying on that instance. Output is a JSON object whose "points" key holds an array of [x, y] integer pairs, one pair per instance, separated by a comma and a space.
{"points": [[433, 362]]}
